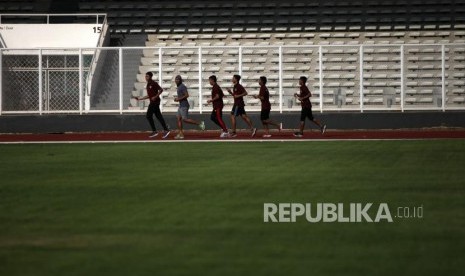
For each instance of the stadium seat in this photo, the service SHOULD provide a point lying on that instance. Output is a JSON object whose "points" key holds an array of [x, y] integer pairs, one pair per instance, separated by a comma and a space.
{"points": [[301, 23]]}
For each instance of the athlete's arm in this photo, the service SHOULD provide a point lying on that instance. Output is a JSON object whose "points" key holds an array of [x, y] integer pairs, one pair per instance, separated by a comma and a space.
{"points": [[241, 95], [160, 90], [214, 98], [259, 97], [299, 96], [141, 99], [306, 97], [186, 95]]}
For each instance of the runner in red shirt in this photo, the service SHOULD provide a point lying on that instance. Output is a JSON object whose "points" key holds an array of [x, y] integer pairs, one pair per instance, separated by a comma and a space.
{"points": [[238, 109], [264, 96], [304, 98], [153, 93], [217, 100]]}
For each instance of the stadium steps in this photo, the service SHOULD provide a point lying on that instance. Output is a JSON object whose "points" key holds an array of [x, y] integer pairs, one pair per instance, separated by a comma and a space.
{"points": [[382, 67], [264, 16], [107, 93]]}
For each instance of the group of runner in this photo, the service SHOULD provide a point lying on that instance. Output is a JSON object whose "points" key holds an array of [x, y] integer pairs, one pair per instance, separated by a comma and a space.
{"points": [[238, 92]]}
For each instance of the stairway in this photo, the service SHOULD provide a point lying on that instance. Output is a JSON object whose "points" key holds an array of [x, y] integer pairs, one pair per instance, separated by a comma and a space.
{"points": [[105, 95]]}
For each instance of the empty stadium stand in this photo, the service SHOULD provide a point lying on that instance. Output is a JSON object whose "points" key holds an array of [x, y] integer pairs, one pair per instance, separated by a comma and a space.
{"points": [[328, 41], [294, 16], [300, 56], [383, 24]]}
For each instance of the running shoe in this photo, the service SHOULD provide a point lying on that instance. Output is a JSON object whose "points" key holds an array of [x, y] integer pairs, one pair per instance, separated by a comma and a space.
{"points": [[323, 129], [232, 134], [179, 137], [202, 125], [254, 131], [154, 134], [266, 135], [224, 135], [166, 134], [298, 134]]}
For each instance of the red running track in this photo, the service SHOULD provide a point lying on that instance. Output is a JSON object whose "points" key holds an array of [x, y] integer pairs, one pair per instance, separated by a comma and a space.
{"points": [[244, 135]]}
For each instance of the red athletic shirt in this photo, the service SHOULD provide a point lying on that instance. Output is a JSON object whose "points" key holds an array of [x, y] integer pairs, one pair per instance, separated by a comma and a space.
{"points": [[152, 90], [238, 90], [304, 91], [216, 90], [265, 94]]}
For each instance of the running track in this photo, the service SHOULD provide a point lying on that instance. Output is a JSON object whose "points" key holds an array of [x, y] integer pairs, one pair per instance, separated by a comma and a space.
{"points": [[242, 136]]}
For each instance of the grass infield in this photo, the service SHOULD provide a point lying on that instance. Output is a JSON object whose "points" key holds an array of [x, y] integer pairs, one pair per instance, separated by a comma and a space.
{"points": [[197, 208]]}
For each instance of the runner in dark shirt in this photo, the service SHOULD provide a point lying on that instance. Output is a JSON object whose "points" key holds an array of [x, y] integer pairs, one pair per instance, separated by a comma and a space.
{"points": [[217, 101], [153, 93], [238, 92], [304, 98], [264, 96]]}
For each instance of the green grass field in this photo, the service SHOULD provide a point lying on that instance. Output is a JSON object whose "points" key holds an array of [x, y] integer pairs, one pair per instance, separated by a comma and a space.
{"points": [[197, 208]]}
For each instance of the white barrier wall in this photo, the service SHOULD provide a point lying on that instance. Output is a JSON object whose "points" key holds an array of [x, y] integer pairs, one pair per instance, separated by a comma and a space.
{"points": [[50, 35]]}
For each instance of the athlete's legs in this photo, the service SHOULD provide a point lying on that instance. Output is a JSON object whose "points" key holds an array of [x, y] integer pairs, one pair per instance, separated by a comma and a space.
{"points": [[190, 121], [214, 118], [270, 122], [233, 123], [179, 121], [160, 117], [302, 126], [149, 116], [317, 122], [265, 126], [247, 120], [233, 119], [219, 118]]}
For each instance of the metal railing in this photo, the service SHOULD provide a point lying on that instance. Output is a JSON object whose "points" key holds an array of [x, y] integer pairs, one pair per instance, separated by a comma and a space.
{"points": [[389, 77], [101, 41]]}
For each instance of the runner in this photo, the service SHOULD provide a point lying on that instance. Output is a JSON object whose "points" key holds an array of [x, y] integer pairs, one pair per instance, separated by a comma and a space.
{"points": [[217, 100], [183, 110], [153, 93], [304, 98], [264, 96], [238, 109]]}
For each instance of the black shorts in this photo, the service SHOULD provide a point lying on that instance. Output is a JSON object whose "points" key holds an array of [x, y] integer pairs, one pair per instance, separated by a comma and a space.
{"points": [[306, 113], [265, 114], [238, 111]]}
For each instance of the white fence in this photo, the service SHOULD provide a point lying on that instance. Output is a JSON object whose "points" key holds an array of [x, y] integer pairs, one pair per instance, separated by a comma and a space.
{"points": [[356, 78]]}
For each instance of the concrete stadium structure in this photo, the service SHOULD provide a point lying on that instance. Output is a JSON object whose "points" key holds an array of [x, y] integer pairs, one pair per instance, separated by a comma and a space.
{"points": [[380, 57]]}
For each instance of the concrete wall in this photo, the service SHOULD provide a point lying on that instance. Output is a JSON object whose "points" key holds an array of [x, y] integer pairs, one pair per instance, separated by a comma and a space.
{"points": [[341, 121], [49, 35]]}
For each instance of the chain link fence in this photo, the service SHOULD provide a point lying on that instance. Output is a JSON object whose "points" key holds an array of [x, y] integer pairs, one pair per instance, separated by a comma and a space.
{"points": [[60, 82], [21, 81]]}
